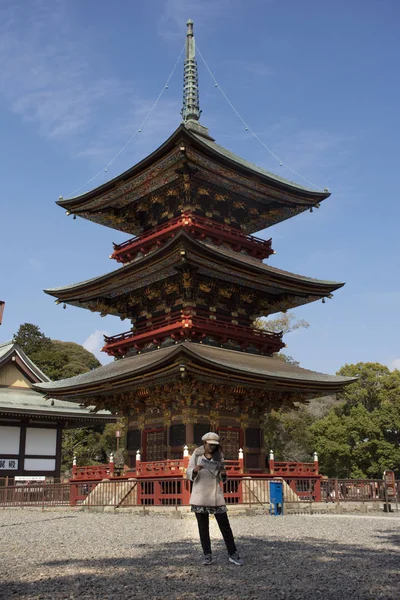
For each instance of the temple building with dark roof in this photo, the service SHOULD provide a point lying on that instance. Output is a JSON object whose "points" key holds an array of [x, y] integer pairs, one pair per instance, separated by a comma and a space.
{"points": [[191, 283], [31, 425]]}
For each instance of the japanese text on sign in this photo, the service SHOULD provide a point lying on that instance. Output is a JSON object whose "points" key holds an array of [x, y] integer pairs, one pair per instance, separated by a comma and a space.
{"points": [[8, 464]]}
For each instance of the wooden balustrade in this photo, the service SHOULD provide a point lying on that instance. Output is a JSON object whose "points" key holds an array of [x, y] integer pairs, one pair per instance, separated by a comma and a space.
{"points": [[199, 227]]}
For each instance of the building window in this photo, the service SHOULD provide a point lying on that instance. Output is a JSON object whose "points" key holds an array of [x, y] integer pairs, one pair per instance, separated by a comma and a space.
{"points": [[177, 435], [133, 440], [253, 437], [199, 429]]}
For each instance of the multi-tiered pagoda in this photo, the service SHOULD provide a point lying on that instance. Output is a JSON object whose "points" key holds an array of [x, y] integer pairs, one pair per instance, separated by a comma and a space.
{"points": [[190, 283]]}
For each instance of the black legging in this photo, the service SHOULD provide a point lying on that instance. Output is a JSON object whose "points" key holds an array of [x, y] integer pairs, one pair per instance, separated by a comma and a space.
{"points": [[224, 526]]}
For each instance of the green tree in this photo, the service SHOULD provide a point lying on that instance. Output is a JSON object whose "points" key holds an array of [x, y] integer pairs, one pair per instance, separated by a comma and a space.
{"points": [[360, 437], [85, 444], [58, 360], [287, 432], [31, 339], [93, 445]]}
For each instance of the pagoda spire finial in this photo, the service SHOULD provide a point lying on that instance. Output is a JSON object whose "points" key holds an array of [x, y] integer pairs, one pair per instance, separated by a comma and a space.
{"points": [[191, 108]]}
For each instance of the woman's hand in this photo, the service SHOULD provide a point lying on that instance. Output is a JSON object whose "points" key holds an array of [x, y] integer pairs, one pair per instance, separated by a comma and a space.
{"points": [[198, 468]]}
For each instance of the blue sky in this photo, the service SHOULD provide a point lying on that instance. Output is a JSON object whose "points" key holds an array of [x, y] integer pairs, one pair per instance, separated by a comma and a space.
{"points": [[317, 81]]}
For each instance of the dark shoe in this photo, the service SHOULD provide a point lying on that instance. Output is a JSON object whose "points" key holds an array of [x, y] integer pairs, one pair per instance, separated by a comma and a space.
{"points": [[235, 559], [208, 559]]}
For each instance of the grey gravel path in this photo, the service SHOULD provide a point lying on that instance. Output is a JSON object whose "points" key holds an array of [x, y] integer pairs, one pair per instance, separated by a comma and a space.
{"points": [[61, 555]]}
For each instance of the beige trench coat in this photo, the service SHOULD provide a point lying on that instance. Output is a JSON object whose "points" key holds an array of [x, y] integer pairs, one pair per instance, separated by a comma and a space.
{"points": [[206, 489]]}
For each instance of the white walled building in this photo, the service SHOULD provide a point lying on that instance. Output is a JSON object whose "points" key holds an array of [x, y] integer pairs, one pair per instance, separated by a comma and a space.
{"points": [[31, 425]]}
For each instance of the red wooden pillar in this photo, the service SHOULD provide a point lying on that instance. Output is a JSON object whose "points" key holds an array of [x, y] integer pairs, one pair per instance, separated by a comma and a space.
{"points": [[73, 492], [185, 482], [317, 491], [271, 462], [138, 460], [111, 464], [316, 464], [241, 461], [74, 467]]}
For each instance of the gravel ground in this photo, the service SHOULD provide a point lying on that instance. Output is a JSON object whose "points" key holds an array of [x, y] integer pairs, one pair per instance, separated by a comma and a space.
{"points": [[61, 555]]}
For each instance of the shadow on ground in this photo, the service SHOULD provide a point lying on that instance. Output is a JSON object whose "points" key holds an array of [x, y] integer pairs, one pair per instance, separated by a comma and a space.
{"points": [[291, 570]]}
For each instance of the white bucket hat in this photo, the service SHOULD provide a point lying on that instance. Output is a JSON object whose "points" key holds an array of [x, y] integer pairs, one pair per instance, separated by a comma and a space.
{"points": [[211, 437]]}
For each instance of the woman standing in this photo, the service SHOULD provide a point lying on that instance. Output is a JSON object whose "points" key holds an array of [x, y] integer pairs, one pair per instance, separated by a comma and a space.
{"points": [[207, 470]]}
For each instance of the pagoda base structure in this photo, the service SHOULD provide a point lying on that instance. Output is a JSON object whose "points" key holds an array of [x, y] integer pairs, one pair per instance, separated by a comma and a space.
{"points": [[172, 396]]}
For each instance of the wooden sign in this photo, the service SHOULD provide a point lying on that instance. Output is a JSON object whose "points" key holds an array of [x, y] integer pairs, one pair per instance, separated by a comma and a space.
{"points": [[390, 485]]}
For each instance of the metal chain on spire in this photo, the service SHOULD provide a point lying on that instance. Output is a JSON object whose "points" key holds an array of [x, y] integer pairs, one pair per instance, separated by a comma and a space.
{"points": [[248, 128], [191, 105], [135, 133]]}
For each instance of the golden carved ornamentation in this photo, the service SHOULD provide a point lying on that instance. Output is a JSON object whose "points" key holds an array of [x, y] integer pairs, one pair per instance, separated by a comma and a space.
{"points": [[186, 280], [170, 288], [221, 197], [152, 293], [249, 298], [205, 287], [238, 204], [203, 192]]}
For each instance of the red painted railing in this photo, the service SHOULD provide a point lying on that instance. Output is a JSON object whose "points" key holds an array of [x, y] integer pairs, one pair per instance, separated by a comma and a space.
{"points": [[139, 493], [199, 227], [162, 468], [295, 468], [192, 327], [94, 472]]}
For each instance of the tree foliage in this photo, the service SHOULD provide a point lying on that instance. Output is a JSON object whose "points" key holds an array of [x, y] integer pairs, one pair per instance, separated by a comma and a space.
{"points": [[93, 445], [360, 437], [287, 432], [56, 359], [31, 339], [284, 322]]}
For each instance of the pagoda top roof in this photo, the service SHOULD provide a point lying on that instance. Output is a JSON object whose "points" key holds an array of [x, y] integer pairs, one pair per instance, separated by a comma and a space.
{"points": [[190, 150], [121, 374], [199, 135], [108, 283]]}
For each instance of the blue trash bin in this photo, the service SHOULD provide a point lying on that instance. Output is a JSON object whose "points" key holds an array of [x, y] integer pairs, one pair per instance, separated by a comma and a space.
{"points": [[276, 498]]}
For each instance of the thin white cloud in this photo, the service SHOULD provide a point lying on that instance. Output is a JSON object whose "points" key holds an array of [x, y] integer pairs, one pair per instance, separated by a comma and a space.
{"points": [[47, 77], [395, 364], [94, 344]]}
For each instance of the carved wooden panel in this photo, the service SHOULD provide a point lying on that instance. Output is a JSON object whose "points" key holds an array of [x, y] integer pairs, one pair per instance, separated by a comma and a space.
{"points": [[155, 445], [230, 441]]}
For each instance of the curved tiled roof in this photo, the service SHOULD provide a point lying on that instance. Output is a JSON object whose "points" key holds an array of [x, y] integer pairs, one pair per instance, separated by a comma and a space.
{"points": [[222, 360], [205, 143], [9, 348], [240, 259]]}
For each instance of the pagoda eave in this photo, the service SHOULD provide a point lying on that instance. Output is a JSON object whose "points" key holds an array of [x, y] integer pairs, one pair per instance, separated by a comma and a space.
{"points": [[211, 260], [202, 363], [276, 198]]}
